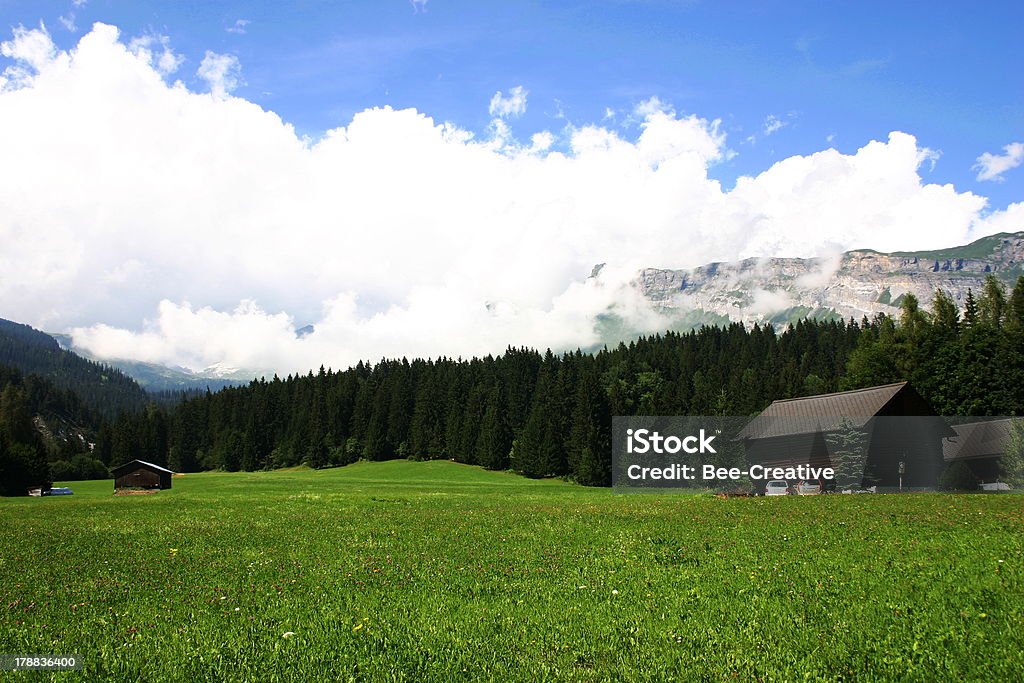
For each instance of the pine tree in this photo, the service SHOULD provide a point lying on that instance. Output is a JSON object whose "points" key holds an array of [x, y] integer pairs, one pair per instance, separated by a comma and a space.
{"points": [[1015, 307], [536, 449], [992, 303], [494, 440], [912, 319], [945, 315], [970, 310], [589, 446], [375, 442]]}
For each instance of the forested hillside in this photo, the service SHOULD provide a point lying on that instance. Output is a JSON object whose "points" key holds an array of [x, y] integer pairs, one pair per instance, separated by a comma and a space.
{"points": [[100, 387], [44, 434], [549, 415]]}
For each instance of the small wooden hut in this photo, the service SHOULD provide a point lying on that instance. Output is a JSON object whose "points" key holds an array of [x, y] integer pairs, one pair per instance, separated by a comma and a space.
{"points": [[140, 474]]}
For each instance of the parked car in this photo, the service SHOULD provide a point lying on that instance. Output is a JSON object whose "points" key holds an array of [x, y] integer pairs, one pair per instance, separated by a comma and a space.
{"points": [[776, 487], [807, 488], [59, 491], [995, 486]]}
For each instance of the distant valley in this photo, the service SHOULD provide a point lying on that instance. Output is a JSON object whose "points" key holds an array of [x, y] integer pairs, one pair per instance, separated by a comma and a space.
{"points": [[154, 377]]}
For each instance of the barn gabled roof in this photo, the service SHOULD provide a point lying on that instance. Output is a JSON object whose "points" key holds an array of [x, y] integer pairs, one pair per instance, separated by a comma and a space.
{"points": [[140, 462], [823, 413], [978, 440]]}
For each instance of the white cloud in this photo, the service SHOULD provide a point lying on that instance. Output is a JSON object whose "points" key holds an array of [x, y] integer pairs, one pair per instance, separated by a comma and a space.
{"points": [[223, 73], [542, 141], [650, 106], [166, 225], [239, 27], [993, 166], [418, 5], [31, 50], [68, 21], [511, 105], [765, 302], [156, 50], [773, 124]]}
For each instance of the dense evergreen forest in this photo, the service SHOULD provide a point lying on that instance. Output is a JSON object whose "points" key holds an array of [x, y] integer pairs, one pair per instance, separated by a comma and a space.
{"points": [[549, 415], [99, 387], [43, 433]]}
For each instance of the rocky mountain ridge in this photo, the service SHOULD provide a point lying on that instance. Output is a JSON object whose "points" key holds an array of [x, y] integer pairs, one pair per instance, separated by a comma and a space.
{"points": [[853, 284]]}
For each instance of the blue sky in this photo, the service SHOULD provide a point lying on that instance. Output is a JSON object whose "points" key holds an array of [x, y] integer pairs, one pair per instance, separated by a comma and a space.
{"points": [[834, 74]]}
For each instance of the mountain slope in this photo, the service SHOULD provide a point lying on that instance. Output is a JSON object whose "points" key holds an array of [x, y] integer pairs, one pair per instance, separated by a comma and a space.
{"points": [[854, 284], [154, 377], [100, 387]]}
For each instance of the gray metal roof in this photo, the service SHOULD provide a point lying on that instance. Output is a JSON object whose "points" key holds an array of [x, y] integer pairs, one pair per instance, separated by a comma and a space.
{"points": [[141, 462], [978, 440], [823, 413]]}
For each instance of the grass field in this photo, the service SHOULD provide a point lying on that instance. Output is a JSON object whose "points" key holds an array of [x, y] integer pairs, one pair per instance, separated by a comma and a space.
{"points": [[404, 571]]}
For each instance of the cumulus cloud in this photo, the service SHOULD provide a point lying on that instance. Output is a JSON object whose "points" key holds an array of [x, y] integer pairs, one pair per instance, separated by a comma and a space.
{"points": [[165, 225], [993, 166], [222, 73], [511, 105]]}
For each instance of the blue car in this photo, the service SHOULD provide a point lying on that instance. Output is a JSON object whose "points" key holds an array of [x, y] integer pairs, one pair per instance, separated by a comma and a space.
{"points": [[59, 491]]}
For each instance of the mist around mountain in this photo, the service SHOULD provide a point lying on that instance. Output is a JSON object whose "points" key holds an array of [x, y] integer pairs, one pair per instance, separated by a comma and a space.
{"points": [[156, 378], [101, 387], [777, 291], [853, 284]]}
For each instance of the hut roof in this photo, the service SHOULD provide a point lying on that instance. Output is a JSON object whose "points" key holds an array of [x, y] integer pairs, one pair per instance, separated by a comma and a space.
{"points": [[135, 463], [823, 413], [978, 440]]}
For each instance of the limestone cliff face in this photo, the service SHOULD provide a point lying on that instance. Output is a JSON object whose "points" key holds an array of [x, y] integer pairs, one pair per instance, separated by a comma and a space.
{"points": [[856, 283]]}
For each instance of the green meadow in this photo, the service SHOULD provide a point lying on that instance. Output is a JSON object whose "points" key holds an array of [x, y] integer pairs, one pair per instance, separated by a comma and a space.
{"points": [[434, 571]]}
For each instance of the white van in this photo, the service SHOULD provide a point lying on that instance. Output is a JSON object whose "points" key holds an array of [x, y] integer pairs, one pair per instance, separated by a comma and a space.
{"points": [[776, 487]]}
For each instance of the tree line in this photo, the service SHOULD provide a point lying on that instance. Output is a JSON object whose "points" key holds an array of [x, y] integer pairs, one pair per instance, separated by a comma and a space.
{"points": [[542, 414]]}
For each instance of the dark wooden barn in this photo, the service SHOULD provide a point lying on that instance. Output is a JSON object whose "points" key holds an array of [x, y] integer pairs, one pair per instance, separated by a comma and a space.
{"points": [[142, 475], [902, 436], [980, 446]]}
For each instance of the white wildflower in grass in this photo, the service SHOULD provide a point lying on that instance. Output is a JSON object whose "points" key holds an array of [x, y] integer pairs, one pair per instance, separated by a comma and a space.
{"points": [[615, 592], [287, 634]]}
